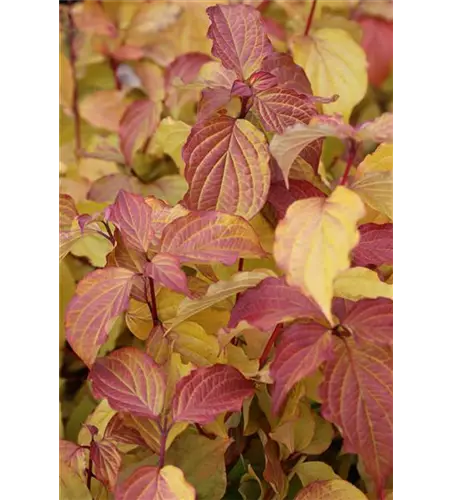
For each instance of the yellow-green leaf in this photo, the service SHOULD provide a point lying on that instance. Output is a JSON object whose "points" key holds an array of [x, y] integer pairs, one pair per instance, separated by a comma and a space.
{"points": [[334, 489], [308, 472], [169, 138], [361, 283]]}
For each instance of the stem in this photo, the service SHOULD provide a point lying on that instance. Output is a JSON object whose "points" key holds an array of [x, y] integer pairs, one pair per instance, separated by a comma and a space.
{"points": [[114, 67], [110, 234], [241, 262], [164, 435], [153, 304], [351, 156], [72, 60], [90, 466], [244, 110], [269, 344], [310, 18]]}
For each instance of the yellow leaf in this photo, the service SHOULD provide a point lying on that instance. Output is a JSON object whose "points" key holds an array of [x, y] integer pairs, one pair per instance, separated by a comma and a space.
{"points": [[139, 319], [177, 484], [314, 240], [379, 161], [309, 472], [104, 109], [72, 486], [361, 283], [94, 247], [176, 369], [335, 64], [170, 188], [217, 427], [99, 418], [323, 436], [333, 489], [169, 138], [375, 189], [192, 342], [236, 357]]}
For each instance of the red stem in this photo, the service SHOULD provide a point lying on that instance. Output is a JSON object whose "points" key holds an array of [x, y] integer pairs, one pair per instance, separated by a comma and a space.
{"points": [[350, 157], [244, 110], [114, 67], [90, 466], [241, 262], [310, 18], [153, 308], [163, 437], [72, 60], [269, 344]]}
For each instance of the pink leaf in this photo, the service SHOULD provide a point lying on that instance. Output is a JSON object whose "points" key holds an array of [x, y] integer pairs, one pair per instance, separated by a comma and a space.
{"points": [[133, 217], [107, 461], [99, 298], [218, 93], [287, 73], [375, 245], [131, 381], [137, 123], [271, 302], [211, 236], [227, 167], [281, 198], [368, 320], [239, 38], [165, 269], [106, 188], [208, 391], [73, 454], [186, 67], [118, 431], [302, 348], [262, 80], [357, 395]]}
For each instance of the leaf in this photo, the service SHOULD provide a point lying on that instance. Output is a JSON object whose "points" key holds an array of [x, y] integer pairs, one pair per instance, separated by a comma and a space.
{"points": [[333, 489], [335, 64], [368, 320], [124, 256], [205, 237], [301, 350], [100, 297], [72, 485], [313, 242], [151, 483], [373, 180], [217, 293], [226, 167], [362, 376], [107, 459], [377, 42], [73, 455], [361, 283], [165, 269], [118, 431], [287, 73], [378, 130], [203, 464], [104, 109], [133, 217], [208, 391], [105, 189], [239, 38], [131, 381], [375, 245], [272, 301], [309, 472], [137, 124], [169, 138], [217, 94], [194, 344], [273, 472]]}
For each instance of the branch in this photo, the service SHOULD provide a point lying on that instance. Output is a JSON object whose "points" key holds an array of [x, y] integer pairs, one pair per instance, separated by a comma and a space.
{"points": [[269, 344], [310, 18]]}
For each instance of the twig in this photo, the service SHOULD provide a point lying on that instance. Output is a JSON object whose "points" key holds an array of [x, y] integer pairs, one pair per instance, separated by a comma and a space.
{"points": [[75, 110], [269, 344], [310, 18], [350, 158], [153, 304]]}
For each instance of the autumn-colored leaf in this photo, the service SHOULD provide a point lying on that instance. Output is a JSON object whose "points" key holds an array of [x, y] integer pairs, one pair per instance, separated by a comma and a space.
{"points": [[272, 301], [72, 485], [239, 38], [300, 351], [360, 283], [375, 245], [226, 167], [209, 391], [169, 138], [106, 188], [133, 217], [273, 472], [100, 297], [165, 268], [72, 454], [313, 242], [104, 109], [281, 197], [332, 489], [194, 345], [288, 74], [210, 236], [131, 381], [361, 375], [107, 460], [152, 483], [378, 130], [335, 64], [369, 320], [118, 431]]}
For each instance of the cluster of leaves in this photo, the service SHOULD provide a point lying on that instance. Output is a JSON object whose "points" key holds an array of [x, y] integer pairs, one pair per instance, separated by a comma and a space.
{"points": [[226, 250]]}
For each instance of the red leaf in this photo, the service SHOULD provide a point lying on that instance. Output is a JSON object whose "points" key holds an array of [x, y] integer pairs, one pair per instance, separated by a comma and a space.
{"points": [[186, 67], [375, 245], [357, 395], [68, 212], [152, 483], [271, 302], [107, 460], [369, 320], [165, 269], [281, 198], [106, 188], [279, 108], [131, 381], [99, 298], [118, 431], [218, 93], [211, 236], [227, 167], [241, 89], [239, 38], [133, 216], [288, 74], [139, 121], [377, 42], [73, 454], [208, 391], [301, 350]]}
